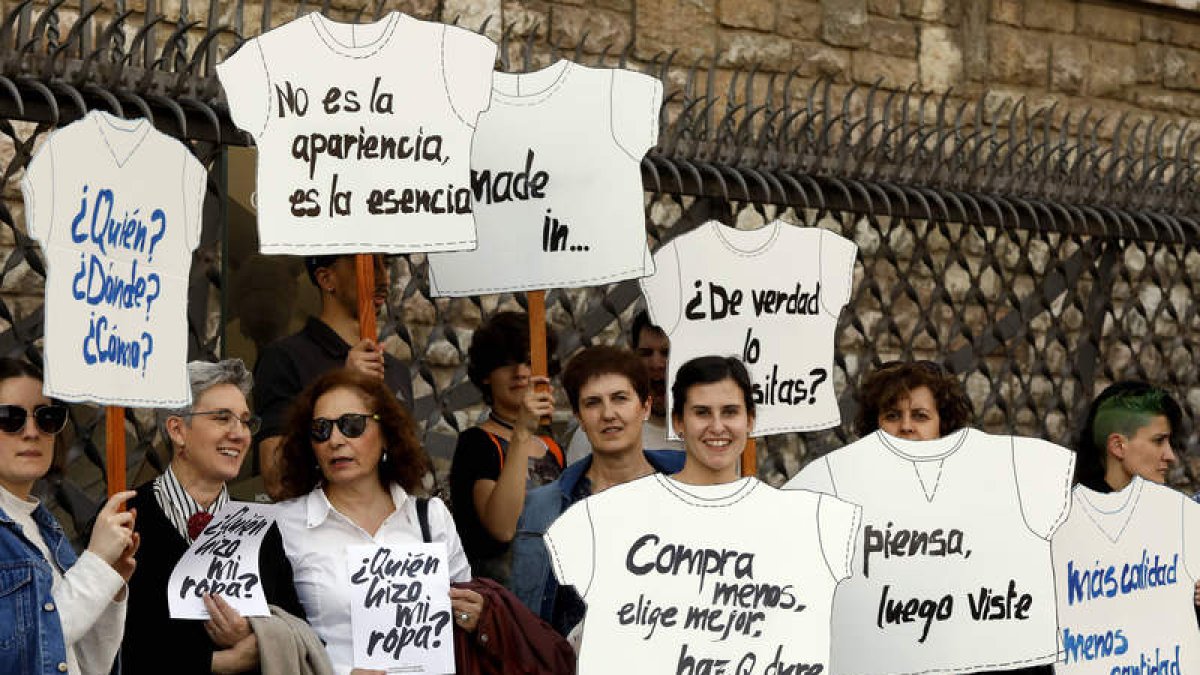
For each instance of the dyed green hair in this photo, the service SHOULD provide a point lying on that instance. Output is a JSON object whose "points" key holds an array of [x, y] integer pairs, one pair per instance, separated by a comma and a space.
{"points": [[1126, 413], [1123, 407]]}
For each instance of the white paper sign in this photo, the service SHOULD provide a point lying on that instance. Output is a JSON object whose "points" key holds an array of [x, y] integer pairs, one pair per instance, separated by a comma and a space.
{"points": [[400, 608], [223, 561], [116, 206], [557, 182], [363, 132], [1125, 565], [951, 573], [690, 580], [770, 296]]}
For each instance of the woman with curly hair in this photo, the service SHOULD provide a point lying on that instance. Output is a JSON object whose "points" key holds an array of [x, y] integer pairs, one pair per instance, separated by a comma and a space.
{"points": [[351, 467], [496, 461], [917, 400]]}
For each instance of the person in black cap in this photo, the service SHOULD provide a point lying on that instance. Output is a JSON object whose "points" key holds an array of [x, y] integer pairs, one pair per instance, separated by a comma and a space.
{"points": [[327, 341]]}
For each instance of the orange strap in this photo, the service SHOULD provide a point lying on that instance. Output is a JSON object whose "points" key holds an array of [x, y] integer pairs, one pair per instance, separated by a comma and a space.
{"points": [[550, 445]]}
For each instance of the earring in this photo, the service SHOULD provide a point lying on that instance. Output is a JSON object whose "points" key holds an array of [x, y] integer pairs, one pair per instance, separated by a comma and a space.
{"points": [[384, 457]]}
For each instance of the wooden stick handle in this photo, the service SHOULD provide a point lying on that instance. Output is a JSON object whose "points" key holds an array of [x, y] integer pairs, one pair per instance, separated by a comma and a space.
{"points": [[365, 263], [750, 458], [538, 357], [114, 431]]}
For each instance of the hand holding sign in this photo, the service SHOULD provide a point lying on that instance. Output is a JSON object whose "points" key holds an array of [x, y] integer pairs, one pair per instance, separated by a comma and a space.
{"points": [[226, 627], [113, 533]]}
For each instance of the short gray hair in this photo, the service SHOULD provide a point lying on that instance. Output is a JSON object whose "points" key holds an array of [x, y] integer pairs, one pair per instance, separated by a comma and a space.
{"points": [[202, 376]]}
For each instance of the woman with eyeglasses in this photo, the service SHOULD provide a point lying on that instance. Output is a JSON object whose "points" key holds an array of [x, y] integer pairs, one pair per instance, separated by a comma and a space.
{"points": [[351, 470], [209, 441], [499, 459], [58, 613]]}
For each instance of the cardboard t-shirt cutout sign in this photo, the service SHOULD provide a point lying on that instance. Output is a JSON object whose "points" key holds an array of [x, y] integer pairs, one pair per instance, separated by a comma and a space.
{"points": [[363, 132], [952, 572], [683, 578], [557, 183], [117, 209], [1125, 566], [771, 296], [223, 561], [400, 608]]}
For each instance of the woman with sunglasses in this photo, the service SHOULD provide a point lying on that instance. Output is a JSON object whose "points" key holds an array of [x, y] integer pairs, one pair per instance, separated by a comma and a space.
{"points": [[350, 469], [209, 441], [58, 613], [498, 460]]}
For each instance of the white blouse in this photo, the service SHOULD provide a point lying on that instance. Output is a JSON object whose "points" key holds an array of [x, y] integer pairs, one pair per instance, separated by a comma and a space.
{"points": [[315, 537]]}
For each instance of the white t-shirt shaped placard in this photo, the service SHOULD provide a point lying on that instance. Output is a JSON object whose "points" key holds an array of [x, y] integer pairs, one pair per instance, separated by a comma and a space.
{"points": [[363, 132], [952, 573], [771, 296], [1125, 565], [557, 183], [117, 207], [700, 579]]}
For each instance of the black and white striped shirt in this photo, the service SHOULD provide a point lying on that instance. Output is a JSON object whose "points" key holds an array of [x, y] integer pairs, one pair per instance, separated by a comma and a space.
{"points": [[178, 505]]}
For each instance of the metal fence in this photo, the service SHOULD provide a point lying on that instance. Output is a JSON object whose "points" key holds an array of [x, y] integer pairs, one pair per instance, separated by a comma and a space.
{"points": [[1038, 253]]}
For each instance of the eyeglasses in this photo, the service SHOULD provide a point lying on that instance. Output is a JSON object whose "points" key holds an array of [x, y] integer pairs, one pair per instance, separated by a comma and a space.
{"points": [[224, 416], [50, 419], [352, 425]]}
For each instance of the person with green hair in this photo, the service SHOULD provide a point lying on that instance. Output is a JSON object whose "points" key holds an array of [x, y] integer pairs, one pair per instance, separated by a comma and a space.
{"points": [[1132, 429]]}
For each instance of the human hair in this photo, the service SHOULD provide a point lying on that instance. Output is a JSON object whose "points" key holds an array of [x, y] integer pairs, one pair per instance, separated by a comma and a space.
{"points": [[601, 360], [202, 376], [641, 321], [1123, 407], [893, 382], [709, 370], [11, 368], [406, 462], [502, 340]]}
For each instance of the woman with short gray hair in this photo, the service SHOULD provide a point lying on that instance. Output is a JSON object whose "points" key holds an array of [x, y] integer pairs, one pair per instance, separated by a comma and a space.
{"points": [[209, 441]]}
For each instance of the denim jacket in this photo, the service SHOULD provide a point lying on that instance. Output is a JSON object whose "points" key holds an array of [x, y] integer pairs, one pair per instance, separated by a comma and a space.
{"points": [[532, 578], [31, 637]]}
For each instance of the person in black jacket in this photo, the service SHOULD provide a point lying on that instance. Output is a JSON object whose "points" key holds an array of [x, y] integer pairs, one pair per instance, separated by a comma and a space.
{"points": [[209, 441]]}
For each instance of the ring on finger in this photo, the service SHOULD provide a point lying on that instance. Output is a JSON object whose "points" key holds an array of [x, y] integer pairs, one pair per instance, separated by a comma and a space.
{"points": [[463, 617]]}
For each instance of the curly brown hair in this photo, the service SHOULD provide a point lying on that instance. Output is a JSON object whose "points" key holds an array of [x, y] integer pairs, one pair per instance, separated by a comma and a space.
{"points": [[884, 388], [406, 463]]}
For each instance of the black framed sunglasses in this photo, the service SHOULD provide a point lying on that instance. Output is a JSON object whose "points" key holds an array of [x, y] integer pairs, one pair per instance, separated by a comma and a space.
{"points": [[352, 425], [50, 419]]}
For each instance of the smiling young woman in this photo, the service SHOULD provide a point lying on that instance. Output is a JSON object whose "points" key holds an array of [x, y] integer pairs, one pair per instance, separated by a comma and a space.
{"points": [[713, 412], [58, 613]]}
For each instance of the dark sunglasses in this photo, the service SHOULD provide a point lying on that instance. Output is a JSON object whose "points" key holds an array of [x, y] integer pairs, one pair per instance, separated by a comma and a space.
{"points": [[352, 425], [50, 419]]}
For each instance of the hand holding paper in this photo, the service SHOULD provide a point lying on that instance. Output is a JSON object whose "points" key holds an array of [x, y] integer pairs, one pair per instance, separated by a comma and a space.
{"points": [[226, 627]]}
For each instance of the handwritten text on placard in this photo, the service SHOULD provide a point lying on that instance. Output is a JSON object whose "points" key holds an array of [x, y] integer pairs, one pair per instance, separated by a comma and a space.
{"points": [[223, 561], [400, 608]]}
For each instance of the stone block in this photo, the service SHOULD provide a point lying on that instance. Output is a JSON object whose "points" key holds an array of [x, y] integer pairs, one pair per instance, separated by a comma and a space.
{"points": [[941, 61], [1017, 57], [867, 67], [752, 14], [472, 13], [526, 18], [1181, 69], [911, 8], [1113, 70], [1069, 64], [1055, 15], [888, 8], [800, 19], [688, 26], [742, 49], [819, 60], [1185, 34], [898, 38], [1156, 28], [1149, 63], [844, 22], [569, 25], [1006, 11], [1109, 23]]}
